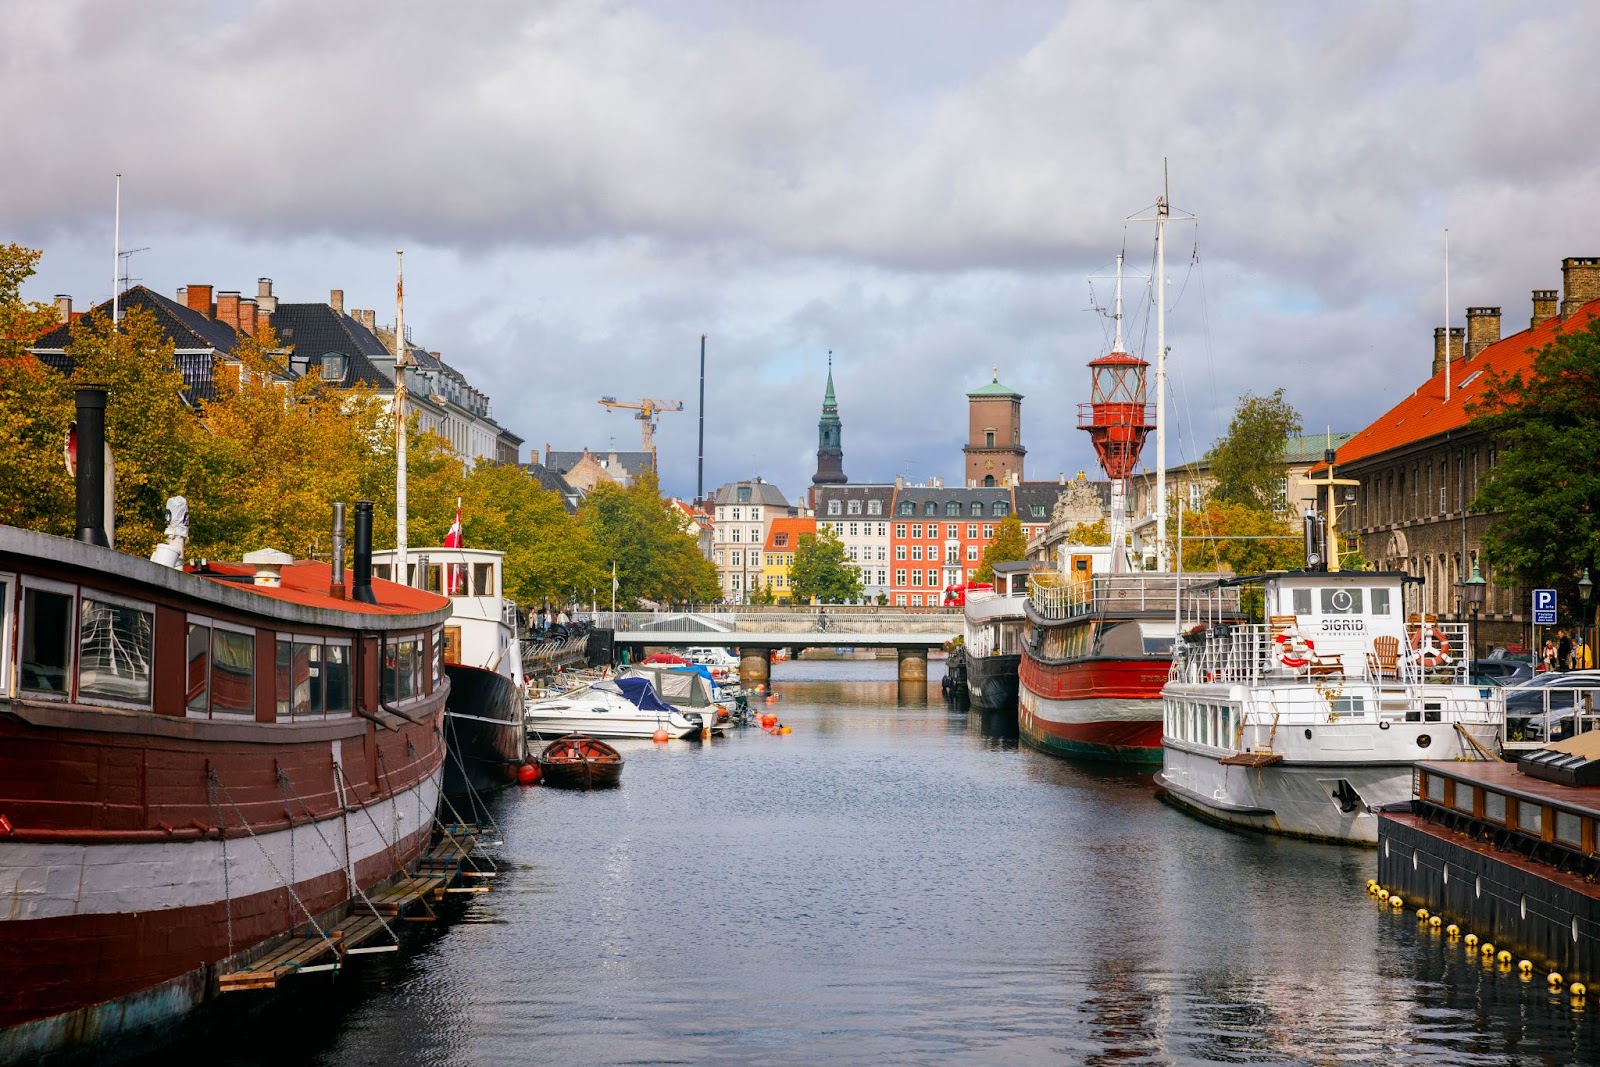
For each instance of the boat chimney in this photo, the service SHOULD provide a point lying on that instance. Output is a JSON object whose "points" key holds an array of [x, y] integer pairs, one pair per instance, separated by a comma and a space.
{"points": [[89, 451], [336, 574], [361, 585], [268, 564]]}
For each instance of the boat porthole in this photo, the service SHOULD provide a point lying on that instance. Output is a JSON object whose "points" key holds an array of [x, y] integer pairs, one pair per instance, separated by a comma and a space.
{"points": [[1308, 735], [1522, 906], [1423, 740], [1383, 725], [1574, 929], [1477, 887]]}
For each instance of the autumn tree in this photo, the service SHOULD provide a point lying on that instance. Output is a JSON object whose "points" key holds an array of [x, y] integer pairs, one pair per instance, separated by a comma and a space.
{"points": [[656, 559], [820, 571], [1545, 489], [548, 552], [1009, 545], [35, 409], [1239, 538], [1097, 532], [1248, 461]]}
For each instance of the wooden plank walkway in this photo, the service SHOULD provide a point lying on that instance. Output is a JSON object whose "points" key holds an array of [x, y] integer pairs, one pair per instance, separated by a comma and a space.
{"points": [[437, 872]]}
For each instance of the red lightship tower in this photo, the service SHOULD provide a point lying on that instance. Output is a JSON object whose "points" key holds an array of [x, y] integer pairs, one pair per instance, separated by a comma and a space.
{"points": [[1118, 420]]}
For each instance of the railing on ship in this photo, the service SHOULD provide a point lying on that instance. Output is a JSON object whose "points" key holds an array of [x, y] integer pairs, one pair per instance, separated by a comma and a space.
{"points": [[1249, 654], [1054, 597]]}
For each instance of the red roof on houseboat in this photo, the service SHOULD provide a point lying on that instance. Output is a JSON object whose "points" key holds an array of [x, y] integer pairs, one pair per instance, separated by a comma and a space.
{"points": [[305, 582]]}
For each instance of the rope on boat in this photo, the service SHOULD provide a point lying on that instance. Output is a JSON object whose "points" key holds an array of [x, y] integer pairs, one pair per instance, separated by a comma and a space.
{"points": [[266, 855], [288, 789], [212, 781]]}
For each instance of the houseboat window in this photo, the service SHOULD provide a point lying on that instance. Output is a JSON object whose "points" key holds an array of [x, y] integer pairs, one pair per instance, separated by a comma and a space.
{"points": [[1494, 807], [5, 633], [1342, 601], [1349, 705], [1464, 796], [233, 673], [197, 682], [336, 679], [1530, 817], [115, 645], [1435, 789], [380, 570], [483, 580], [46, 640], [300, 678], [432, 581], [438, 655], [1569, 828], [1301, 601], [1157, 637], [1380, 601]]}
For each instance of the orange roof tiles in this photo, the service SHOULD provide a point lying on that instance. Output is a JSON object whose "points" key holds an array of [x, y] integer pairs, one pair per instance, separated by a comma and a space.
{"points": [[1425, 413], [791, 529], [306, 583]]}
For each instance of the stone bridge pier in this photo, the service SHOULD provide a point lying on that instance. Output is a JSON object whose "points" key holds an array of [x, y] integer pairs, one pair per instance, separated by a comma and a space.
{"points": [[913, 668], [755, 666]]}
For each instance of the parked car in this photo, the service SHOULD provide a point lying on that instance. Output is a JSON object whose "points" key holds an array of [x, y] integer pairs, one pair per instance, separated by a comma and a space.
{"points": [[1542, 709], [1500, 671]]}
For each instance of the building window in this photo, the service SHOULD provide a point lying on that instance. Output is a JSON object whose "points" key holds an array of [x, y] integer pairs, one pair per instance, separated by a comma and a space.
{"points": [[855, 507], [988, 531], [916, 551], [855, 529], [916, 577], [1195, 495], [834, 508], [883, 529], [972, 531], [900, 577], [899, 552], [988, 482], [916, 601], [780, 540], [736, 535], [116, 642], [900, 600], [1000, 507], [1038, 511], [952, 531], [972, 553], [744, 498], [899, 529], [738, 558], [975, 508], [988, 438], [930, 507], [952, 507], [874, 507], [907, 508], [933, 576], [916, 530], [882, 554]]}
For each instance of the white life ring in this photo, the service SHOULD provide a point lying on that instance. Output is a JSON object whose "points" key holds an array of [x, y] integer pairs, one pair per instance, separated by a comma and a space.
{"points": [[1291, 649], [1431, 646]]}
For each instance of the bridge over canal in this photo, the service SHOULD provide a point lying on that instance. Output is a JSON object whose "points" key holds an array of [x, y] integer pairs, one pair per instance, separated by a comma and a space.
{"points": [[756, 633]]}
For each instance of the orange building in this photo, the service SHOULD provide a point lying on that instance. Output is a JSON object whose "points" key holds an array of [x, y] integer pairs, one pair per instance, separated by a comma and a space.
{"points": [[778, 555]]}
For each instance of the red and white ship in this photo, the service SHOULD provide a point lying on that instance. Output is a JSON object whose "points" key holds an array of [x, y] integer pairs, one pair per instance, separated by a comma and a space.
{"points": [[195, 764]]}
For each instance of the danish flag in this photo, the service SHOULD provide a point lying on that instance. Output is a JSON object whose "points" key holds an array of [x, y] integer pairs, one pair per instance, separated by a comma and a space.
{"points": [[453, 538]]}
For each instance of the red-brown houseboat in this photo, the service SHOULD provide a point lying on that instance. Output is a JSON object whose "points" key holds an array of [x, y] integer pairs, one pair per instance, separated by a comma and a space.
{"points": [[194, 764]]}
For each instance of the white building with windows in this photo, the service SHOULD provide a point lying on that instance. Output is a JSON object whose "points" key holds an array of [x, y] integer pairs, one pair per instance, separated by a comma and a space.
{"points": [[743, 514], [859, 515]]}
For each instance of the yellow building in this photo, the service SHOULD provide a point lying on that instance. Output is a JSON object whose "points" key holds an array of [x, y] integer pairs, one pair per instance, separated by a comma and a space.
{"points": [[778, 555]]}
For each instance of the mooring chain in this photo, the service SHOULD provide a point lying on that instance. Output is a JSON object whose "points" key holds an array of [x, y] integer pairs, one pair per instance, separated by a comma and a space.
{"points": [[288, 787]]}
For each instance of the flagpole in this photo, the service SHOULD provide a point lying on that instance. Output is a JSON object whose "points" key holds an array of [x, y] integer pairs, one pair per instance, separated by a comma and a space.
{"points": [[613, 592]]}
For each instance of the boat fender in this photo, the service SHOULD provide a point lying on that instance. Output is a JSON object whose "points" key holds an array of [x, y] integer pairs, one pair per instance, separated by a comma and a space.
{"points": [[1422, 914], [1453, 931], [1383, 725], [1503, 958], [1553, 978], [1525, 968], [1471, 941], [1397, 903], [1578, 990], [1434, 921], [1383, 896], [1487, 948], [1372, 889]]}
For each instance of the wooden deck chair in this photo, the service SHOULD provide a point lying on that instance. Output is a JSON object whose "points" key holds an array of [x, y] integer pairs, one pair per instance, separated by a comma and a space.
{"points": [[1384, 659]]}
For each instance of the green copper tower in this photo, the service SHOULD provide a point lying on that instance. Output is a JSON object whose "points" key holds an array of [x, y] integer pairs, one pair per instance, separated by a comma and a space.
{"points": [[830, 455]]}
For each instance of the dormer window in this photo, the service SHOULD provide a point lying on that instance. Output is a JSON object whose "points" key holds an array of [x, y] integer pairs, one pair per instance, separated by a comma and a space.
{"points": [[855, 507], [334, 365], [834, 508], [907, 508], [874, 507]]}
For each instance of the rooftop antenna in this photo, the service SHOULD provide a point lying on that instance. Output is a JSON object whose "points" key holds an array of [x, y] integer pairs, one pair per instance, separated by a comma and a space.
{"points": [[125, 256], [116, 256]]}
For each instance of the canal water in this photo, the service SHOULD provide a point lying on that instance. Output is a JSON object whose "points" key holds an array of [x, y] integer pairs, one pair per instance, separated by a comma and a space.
{"points": [[901, 883]]}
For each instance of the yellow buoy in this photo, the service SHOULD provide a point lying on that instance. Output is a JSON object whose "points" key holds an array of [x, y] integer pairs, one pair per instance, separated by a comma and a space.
{"points": [[1471, 940], [1383, 894], [1487, 949], [1371, 882], [1578, 989], [1435, 922], [1503, 958], [1553, 978], [1397, 903], [1525, 967], [786, 730], [1422, 914], [1372, 889], [1453, 930]]}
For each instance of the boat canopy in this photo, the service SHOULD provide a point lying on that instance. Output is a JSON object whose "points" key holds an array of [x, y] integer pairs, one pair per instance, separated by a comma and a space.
{"points": [[641, 694]]}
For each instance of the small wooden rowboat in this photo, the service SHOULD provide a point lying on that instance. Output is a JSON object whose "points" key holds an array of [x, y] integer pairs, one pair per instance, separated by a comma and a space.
{"points": [[578, 762]]}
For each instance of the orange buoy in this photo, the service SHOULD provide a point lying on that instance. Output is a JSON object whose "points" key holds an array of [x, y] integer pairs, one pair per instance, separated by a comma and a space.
{"points": [[661, 736], [769, 720], [784, 730], [528, 774]]}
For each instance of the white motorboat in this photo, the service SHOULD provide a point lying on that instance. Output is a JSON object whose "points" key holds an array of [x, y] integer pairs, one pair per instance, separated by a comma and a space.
{"points": [[1305, 724], [614, 708]]}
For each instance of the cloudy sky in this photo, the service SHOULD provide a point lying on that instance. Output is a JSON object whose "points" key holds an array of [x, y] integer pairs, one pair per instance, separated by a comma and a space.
{"points": [[924, 188]]}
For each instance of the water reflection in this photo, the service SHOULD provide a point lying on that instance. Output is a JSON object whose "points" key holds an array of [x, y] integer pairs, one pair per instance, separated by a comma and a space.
{"points": [[903, 884]]}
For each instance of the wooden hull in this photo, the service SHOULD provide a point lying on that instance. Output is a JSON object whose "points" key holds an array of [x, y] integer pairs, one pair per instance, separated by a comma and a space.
{"points": [[580, 763]]}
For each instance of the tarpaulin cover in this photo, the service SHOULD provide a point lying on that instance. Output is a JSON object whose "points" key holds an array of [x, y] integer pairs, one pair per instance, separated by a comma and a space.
{"points": [[641, 694]]}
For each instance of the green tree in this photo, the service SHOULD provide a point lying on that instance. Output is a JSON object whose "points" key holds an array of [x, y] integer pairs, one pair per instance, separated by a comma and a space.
{"points": [[1545, 489], [1009, 545], [1241, 539], [1248, 461], [1097, 532], [820, 570], [548, 553], [35, 409], [656, 559]]}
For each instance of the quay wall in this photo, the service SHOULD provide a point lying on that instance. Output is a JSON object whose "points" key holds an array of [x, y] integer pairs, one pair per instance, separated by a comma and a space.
{"points": [[1531, 909]]}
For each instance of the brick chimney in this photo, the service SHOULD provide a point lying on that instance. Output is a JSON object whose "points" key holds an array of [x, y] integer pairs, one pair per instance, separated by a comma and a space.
{"points": [[1580, 282], [1483, 329], [1457, 338], [63, 307], [198, 298], [264, 298], [369, 319], [247, 316], [1545, 306], [336, 300], [228, 308]]}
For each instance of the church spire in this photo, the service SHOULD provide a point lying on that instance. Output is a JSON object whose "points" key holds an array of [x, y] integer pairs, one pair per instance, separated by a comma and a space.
{"points": [[830, 452]]}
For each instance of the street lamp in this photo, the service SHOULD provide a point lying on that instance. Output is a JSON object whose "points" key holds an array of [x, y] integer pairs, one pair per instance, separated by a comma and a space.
{"points": [[1473, 589], [1585, 591]]}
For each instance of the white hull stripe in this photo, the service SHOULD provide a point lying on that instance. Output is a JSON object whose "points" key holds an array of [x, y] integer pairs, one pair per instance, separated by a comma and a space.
{"points": [[1099, 709], [40, 881]]}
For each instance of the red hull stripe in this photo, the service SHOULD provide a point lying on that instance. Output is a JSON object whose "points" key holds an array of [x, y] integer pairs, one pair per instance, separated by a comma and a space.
{"points": [[1127, 679]]}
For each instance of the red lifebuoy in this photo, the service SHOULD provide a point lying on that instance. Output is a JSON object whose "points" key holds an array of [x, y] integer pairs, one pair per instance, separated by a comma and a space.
{"points": [[1431, 646], [1286, 652]]}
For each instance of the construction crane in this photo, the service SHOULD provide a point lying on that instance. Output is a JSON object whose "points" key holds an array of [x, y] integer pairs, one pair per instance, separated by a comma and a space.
{"points": [[646, 411]]}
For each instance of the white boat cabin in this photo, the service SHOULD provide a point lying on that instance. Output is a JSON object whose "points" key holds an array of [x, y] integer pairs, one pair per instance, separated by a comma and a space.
{"points": [[482, 631]]}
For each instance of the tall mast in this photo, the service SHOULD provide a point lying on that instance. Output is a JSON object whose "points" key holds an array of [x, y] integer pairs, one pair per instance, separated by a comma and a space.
{"points": [[1117, 346], [700, 465], [116, 256], [402, 569], [1162, 206], [1447, 314]]}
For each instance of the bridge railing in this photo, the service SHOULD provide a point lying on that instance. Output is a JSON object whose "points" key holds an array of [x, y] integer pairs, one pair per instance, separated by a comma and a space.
{"points": [[712, 623]]}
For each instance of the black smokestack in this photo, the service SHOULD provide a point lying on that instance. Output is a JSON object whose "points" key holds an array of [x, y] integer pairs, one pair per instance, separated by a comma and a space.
{"points": [[361, 585], [91, 462]]}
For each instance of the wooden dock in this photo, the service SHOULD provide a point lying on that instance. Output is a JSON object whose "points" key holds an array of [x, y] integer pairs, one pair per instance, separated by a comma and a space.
{"points": [[449, 860]]}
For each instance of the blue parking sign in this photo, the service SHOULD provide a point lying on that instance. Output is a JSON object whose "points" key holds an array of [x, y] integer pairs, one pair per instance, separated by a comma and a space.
{"points": [[1544, 607]]}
